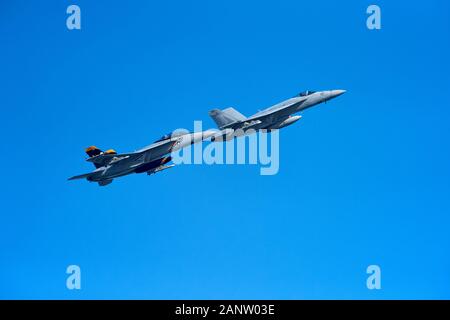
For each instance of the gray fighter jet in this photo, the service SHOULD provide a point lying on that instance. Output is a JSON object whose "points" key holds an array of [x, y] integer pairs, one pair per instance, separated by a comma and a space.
{"points": [[151, 159], [233, 124]]}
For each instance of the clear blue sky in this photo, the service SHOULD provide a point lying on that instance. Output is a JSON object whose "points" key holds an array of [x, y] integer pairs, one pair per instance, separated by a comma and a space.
{"points": [[363, 180]]}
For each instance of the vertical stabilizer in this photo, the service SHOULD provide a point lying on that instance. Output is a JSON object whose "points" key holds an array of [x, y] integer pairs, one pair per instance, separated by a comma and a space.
{"points": [[226, 117]]}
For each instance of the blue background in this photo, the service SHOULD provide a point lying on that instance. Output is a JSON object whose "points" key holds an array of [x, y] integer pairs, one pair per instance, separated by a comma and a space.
{"points": [[363, 179]]}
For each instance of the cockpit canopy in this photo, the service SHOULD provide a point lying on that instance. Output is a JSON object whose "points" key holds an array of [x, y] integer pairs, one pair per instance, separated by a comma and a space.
{"points": [[172, 134], [306, 93]]}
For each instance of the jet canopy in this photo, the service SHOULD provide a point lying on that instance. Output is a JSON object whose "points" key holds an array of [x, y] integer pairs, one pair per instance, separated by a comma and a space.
{"points": [[172, 134], [306, 93]]}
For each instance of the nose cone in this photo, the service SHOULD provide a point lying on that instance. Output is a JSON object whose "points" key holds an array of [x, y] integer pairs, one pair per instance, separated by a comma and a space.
{"points": [[337, 93], [203, 135]]}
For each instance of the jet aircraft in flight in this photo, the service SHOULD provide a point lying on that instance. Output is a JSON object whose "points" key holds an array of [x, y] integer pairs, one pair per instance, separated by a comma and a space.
{"points": [[233, 124], [151, 159]]}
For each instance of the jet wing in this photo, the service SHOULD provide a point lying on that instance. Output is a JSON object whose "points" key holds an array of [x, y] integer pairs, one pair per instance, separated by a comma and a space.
{"points": [[270, 116], [82, 176], [157, 150], [104, 159], [147, 154], [281, 110]]}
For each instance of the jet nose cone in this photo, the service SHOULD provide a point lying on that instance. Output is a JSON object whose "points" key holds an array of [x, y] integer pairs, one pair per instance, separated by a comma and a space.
{"points": [[337, 93], [208, 133]]}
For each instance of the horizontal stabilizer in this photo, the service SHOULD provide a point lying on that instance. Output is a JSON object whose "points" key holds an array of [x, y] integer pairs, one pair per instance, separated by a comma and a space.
{"points": [[81, 176], [160, 168]]}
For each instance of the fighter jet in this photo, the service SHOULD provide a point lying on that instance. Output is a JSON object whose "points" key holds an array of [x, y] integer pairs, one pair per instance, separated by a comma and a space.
{"points": [[278, 116], [151, 159]]}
